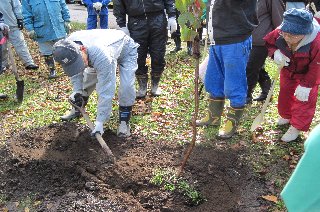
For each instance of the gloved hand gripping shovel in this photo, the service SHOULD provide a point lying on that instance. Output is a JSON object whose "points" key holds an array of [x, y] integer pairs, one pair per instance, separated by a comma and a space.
{"points": [[91, 126], [20, 83], [259, 119]]}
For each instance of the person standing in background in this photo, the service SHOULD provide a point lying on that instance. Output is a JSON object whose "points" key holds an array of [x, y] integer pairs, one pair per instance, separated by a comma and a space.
{"points": [[230, 24], [11, 10], [3, 32], [147, 25], [270, 13], [46, 21], [97, 8]]}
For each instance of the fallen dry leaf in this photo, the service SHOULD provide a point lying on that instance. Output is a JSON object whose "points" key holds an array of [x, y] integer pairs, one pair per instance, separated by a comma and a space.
{"points": [[286, 157], [270, 198]]}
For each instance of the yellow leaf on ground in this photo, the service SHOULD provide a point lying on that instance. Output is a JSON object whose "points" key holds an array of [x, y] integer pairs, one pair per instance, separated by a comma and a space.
{"points": [[36, 203], [270, 198]]}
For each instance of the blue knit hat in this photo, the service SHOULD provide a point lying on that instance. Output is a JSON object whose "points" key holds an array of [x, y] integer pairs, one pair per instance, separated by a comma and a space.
{"points": [[297, 21]]}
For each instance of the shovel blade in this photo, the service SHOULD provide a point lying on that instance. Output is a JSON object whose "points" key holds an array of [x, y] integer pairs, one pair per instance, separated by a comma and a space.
{"points": [[20, 90], [256, 122]]}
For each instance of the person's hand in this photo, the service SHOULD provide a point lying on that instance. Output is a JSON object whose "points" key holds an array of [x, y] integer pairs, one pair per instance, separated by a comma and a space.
{"points": [[172, 25], [97, 7], [98, 128], [302, 93], [280, 59], [20, 24], [67, 26], [32, 34], [125, 30], [4, 28], [77, 99]]}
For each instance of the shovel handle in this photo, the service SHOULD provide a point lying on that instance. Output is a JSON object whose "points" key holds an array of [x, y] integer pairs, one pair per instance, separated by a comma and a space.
{"points": [[91, 126], [257, 121], [13, 63]]}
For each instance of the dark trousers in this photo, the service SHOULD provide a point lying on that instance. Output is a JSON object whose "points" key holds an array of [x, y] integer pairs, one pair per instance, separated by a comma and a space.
{"points": [[1, 36], [255, 67], [151, 34]]}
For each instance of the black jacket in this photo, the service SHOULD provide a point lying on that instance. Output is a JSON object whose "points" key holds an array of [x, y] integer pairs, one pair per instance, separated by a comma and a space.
{"points": [[135, 8], [232, 20]]}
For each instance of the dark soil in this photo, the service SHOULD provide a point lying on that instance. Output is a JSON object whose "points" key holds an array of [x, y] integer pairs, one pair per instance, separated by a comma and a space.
{"points": [[61, 168]]}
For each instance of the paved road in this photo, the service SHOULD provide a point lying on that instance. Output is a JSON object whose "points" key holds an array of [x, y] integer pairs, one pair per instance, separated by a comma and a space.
{"points": [[79, 14]]}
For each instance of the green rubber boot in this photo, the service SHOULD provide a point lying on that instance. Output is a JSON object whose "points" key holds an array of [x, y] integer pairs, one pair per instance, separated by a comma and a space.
{"points": [[214, 113], [230, 126]]}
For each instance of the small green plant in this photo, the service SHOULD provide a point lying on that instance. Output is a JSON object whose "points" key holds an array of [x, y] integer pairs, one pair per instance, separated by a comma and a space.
{"points": [[194, 196], [168, 180], [169, 187], [280, 206], [158, 177]]}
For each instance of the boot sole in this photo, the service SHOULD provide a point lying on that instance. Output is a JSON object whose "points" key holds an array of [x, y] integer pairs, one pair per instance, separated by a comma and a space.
{"points": [[155, 95], [141, 97], [70, 119], [224, 137]]}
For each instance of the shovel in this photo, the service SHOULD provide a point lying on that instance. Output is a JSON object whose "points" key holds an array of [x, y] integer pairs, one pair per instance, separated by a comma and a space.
{"points": [[98, 136], [259, 119], [20, 83]]}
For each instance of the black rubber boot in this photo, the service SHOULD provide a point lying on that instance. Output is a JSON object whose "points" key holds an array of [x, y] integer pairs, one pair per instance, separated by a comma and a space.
{"points": [[230, 126], [189, 45], [50, 63], [249, 94], [214, 113], [155, 90], [32, 67], [265, 87], [143, 84], [177, 41], [3, 96], [124, 118]]}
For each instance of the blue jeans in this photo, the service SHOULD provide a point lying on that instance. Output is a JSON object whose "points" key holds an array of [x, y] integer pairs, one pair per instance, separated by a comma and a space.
{"points": [[46, 48], [226, 72], [93, 19]]}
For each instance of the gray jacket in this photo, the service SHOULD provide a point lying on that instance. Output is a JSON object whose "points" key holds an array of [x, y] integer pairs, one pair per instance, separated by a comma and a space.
{"points": [[106, 49], [270, 13], [11, 10]]}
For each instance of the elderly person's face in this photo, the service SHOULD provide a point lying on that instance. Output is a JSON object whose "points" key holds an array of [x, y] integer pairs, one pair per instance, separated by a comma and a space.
{"points": [[84, 55], [291, 39]]}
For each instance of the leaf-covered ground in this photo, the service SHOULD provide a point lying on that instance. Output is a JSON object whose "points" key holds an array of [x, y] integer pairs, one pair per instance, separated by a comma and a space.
{"points": [[49, 165]]}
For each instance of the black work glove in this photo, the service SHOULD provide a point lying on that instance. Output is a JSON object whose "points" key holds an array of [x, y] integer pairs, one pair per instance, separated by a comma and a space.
{"points": [[77, 99], [20, 24]]}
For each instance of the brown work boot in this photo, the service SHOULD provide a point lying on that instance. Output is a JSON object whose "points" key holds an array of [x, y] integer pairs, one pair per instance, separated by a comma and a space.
{"points": [[214, 113], [230, 126]]}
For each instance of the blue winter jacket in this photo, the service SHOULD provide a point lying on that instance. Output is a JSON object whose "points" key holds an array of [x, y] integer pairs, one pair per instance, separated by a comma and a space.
{"points": [[46, 18], [104, 9]]}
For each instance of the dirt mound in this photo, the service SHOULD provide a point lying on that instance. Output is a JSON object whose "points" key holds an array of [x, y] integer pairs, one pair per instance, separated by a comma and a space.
{"points": [[61, 168]]}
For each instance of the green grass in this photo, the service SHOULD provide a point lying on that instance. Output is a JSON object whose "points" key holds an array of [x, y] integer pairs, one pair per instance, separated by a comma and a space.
{"points": [[167, 179], [167, 118]]}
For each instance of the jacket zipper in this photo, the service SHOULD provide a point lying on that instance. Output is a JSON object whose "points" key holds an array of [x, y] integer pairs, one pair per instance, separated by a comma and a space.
{"points": [[144, 10]]}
